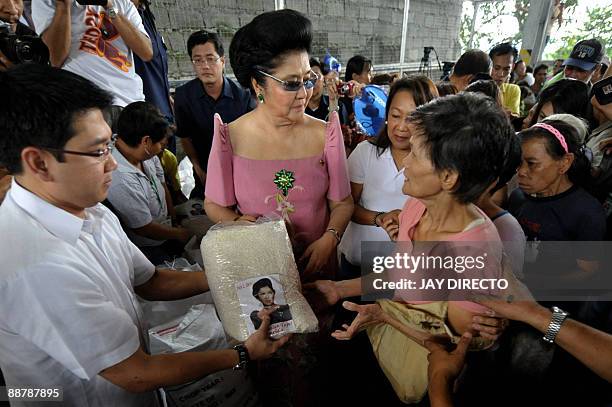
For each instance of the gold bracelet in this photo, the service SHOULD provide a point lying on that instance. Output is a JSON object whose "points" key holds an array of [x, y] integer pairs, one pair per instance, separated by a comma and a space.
{"points": [[335, 233]]}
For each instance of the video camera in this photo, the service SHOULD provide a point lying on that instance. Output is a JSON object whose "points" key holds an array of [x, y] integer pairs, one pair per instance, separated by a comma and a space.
{"points": [[20, 49]]}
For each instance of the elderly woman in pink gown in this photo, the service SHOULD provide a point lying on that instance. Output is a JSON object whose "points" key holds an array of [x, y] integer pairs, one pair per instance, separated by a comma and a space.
{"points": [[276, 161]]}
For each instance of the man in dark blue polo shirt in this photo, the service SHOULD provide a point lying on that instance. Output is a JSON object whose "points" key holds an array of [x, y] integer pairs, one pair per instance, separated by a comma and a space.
{"points": [[197, 101], [154, 73]]}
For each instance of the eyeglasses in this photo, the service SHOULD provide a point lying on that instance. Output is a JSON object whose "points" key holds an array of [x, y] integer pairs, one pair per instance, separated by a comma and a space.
{"points": [[101, 155], [209, 61], [294, 86]]}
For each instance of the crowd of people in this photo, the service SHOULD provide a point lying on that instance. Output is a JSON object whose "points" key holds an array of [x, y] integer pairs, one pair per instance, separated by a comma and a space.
{"points": [[500, 155]]}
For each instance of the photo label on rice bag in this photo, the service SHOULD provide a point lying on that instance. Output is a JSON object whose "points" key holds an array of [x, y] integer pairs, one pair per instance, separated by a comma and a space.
{"points": [[265, 292]]}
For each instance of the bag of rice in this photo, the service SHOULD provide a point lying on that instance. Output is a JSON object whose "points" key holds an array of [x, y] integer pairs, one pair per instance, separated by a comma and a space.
{"points": [[249, 267]]}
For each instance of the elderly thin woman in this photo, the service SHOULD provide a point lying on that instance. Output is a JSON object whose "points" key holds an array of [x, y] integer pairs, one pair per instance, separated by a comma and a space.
{"points": [[458, 147], [276, 160]]}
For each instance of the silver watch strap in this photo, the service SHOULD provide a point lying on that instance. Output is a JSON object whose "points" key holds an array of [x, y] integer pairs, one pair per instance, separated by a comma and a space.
{"points": [[558, 316]]}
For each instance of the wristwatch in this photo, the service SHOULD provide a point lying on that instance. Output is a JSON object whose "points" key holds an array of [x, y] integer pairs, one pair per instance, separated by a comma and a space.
{"points": [[376, 218], [112, 13], [243, 356], [558, 316]]}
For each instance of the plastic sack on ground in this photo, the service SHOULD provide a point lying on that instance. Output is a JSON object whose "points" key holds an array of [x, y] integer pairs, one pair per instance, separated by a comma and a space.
{"points": [[159, 312], [185, 171], [250, 266], [201, 330]]}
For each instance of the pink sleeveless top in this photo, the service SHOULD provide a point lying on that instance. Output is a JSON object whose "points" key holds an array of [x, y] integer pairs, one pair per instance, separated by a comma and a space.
{"points": [[297, 190]]}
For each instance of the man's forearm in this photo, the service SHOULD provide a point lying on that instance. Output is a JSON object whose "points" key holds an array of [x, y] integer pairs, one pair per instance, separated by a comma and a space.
{"points": [[158, 231], [139, 43], [170, 285], [57, 36], [589, 345], [142, 373]]}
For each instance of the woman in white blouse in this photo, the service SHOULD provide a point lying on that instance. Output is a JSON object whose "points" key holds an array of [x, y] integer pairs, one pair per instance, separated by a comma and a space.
{"points": [[376, 172]]}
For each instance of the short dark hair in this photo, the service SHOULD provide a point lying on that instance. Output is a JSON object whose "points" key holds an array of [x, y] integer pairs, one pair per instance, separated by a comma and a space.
{"points": [[264, 42], [446, 88], [539, 68], [467, 133], [422, 90], [314, 61], [356, 65], [141, 119], [566, 96], [259, 284], [511, 163], [472, 62], [39, 105], [486, 87], [529, 69], [202, 37], [382, 79], [504, 48], [579, 173], [481, 76]]}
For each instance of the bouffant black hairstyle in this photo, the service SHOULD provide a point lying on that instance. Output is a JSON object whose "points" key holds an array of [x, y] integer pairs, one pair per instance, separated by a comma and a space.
{"points": [[262, 44], [469, 134], [259, 284]]}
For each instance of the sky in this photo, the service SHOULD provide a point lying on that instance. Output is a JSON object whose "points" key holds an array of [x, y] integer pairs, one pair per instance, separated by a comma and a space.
{"points": [[506, 26]]}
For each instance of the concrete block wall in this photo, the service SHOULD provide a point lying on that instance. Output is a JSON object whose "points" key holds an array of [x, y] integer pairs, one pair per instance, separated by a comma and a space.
{"points": [[344, 27]]}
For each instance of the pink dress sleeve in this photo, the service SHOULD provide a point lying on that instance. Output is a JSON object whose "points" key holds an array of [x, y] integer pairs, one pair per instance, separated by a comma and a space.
{"points": [[335, 156], [220, 171]]}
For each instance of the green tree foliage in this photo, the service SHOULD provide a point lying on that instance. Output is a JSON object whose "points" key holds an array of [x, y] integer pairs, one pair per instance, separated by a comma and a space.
{"points": [[491, 11], [597, 26]]}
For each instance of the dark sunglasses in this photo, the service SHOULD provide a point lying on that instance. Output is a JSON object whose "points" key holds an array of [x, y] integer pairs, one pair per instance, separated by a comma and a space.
{"points": [[294, 86]]}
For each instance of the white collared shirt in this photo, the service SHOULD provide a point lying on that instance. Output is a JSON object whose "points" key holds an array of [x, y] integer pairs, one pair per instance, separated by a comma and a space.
{"points": [[382, 192], [68, 305]]}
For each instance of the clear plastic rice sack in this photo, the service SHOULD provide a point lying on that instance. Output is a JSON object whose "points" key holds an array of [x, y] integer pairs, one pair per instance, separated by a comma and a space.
{"points": [[250, 266]]}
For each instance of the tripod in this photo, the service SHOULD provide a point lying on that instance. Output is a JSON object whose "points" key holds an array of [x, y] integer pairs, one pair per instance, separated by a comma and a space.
{"points": [[425, 65]]}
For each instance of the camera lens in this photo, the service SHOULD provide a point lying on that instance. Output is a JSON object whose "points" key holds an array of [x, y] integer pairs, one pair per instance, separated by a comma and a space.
{"points": [[25, 53]]}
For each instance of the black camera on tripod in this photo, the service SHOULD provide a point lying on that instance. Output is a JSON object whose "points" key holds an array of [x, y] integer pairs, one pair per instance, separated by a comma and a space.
{"points": [[426, 52], [23, 48]]}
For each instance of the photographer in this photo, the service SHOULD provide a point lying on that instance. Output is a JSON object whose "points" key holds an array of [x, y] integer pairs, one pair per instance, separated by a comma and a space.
{"points": [[18, 43], [96, 41]]}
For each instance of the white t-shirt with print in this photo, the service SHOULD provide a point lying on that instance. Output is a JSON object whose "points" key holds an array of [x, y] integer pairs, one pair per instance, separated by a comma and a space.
{"points": [[97, 51]]}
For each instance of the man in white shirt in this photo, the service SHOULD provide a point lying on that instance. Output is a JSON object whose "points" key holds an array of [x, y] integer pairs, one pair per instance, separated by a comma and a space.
{"points": [[69, 275], [96, 42]]}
